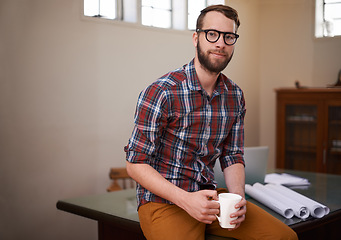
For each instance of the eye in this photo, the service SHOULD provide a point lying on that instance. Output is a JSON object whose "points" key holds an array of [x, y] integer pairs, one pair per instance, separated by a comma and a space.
{"points": [[229, 37], [212, 34]]}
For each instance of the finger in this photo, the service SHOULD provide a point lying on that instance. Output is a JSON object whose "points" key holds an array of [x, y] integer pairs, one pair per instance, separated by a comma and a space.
{"points": [[238, 220], [212, 204], [239, 213], [242, 203], [208, 219], [236, 226], [207, 222], [213, 211]]}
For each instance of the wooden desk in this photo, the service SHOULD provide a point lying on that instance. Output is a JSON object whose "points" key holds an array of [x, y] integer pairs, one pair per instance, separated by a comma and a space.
{"points": [[117, 216]]}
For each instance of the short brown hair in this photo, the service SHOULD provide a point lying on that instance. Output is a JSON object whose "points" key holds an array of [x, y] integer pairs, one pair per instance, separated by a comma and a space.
{"points": [[226, 10]]}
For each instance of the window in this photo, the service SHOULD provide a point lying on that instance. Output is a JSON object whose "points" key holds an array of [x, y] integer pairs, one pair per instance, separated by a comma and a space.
{"points": [[328, 18], [194, 8], [100, 8], [157, 13], [173, 14]]}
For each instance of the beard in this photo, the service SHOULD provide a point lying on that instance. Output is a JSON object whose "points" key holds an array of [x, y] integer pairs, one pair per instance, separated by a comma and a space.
{"points": [[212, 66]]}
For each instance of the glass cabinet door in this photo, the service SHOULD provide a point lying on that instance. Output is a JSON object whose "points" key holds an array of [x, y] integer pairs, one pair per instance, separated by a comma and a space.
{"points": [[301, 137], [332, 156]]}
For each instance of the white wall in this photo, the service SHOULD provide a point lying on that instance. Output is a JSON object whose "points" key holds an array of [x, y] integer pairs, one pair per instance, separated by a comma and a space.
{"points": [[68, 91], [68, 88], [289, 52], [244, 68]]}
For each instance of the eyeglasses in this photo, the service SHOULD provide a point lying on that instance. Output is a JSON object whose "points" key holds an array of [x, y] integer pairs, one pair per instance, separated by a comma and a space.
{"points": [[212, 36]]}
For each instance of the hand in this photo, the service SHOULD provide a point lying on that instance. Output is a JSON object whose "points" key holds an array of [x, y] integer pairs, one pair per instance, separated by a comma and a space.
{"points": [[199, 205], [240, 214]]}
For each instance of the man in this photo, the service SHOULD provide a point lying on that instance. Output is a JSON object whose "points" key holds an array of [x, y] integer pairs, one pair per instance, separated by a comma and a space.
{"points": [[184, 122]]}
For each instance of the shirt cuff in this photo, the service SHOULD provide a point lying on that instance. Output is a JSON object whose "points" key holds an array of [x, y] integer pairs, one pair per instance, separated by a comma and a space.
{"points": [[230, 160], [137, 157]]}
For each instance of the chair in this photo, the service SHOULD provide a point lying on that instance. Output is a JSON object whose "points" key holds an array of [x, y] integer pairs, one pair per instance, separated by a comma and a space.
{"points": [[120, 180]]}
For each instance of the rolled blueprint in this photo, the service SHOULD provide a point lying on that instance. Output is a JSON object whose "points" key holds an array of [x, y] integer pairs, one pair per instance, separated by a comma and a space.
{"points": [[299, 209], [316, 209], [269, 201]]}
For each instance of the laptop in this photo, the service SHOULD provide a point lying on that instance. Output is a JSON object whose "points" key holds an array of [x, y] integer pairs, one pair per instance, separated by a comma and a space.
{"points": [[256, 162]]}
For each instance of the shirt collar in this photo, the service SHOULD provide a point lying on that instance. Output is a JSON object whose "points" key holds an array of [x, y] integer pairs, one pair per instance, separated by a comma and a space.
{"points": [[192, 77], [194, 84], [221, 87]]}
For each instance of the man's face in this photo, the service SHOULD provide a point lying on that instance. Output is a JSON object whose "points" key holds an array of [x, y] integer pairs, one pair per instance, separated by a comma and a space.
{"points": [[212, 64], [214, 57]]}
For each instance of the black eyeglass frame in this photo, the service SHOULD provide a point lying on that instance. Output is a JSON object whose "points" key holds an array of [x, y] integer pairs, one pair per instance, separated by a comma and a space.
{"points": [[224, 33]]}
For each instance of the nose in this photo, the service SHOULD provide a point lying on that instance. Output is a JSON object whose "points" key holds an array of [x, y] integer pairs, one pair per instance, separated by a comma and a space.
{"points": [[220, 43]]}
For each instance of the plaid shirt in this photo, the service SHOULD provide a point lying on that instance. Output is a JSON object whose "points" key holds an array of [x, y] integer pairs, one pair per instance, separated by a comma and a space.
{"points": [[180, 131]]}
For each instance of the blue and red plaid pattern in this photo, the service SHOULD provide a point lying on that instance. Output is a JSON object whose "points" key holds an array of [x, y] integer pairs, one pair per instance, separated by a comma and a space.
{"points": [[181, 131]]}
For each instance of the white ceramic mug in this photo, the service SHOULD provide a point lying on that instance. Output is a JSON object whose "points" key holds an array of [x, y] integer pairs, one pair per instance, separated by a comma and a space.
{"points": [[227, 203]]}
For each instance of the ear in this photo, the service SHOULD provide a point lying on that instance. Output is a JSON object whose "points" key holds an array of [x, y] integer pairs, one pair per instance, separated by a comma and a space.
{"points": [[195, 39]]}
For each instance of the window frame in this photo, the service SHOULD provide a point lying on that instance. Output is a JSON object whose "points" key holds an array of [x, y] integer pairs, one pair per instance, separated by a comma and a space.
{"points": [[179, 14], [154, 10], [321, 20]]}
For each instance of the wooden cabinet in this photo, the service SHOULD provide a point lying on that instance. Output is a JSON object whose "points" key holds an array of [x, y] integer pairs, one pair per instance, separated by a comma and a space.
{"points": [[308, 129]]}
